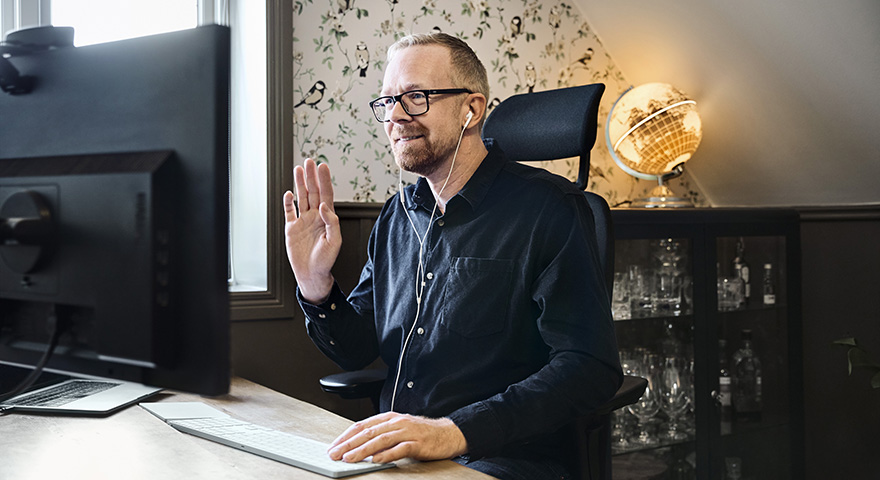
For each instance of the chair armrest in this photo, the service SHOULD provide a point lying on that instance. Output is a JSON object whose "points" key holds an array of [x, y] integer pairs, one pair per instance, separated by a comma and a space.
{"points": [[357, 384], [590, 435], [629, 392]]}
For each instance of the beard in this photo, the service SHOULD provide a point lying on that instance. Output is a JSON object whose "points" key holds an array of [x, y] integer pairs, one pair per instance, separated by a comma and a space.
{"points": [[426, 153]]}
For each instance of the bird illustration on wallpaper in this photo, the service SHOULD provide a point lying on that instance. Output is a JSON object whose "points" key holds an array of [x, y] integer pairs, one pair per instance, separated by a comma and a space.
{"points": [[315, 94], [362, 55], [531, 77]]}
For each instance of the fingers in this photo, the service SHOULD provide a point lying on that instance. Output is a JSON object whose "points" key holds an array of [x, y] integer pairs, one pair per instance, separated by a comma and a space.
{"points": [[347, 446], [331, 224], [290, 213], [313, 184], [325, 181], [357, 428], [302, 193]]}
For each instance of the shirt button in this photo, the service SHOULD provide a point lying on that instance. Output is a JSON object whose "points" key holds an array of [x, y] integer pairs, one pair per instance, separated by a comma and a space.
{"points": [[321, 315], [420, 331], [441, 222], [332, 306], [409, 384], [332, 342], [430, 275]]}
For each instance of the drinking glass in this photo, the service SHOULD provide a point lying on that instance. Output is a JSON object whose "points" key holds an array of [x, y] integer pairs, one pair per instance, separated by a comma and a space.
{"points": [[619, 440], [731, 295], [620, 308], [645, 407], [641, 288], [666, 297], [687, 293], [673, 393]]}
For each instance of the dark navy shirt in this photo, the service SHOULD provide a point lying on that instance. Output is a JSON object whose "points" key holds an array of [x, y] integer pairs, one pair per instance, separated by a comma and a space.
{"points": [[514, 335]]}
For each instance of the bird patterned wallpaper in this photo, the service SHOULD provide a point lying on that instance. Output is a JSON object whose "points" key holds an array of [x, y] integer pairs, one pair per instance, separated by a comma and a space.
{"points": [[339, 49]]}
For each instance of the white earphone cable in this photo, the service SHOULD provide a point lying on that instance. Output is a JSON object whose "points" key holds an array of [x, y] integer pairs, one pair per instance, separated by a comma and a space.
{"points": [[420, 270]]}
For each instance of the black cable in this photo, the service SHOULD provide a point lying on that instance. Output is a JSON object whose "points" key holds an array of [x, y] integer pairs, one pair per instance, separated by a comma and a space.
{"points": [[57, 326]]}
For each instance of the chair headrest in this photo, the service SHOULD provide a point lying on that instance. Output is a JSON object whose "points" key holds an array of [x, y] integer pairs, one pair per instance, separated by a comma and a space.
{"points": [[546, 125]]}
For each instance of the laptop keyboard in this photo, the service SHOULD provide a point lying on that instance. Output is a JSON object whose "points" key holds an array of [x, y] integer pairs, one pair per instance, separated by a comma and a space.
{"points": [[62, 394]]}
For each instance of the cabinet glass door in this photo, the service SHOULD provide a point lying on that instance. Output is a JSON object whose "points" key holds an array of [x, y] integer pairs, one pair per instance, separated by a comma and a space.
{"points": [[653, 307], [752, 404]]}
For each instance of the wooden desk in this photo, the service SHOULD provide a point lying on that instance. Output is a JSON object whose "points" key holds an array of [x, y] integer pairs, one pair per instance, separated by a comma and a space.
{"points": [[133, 444]]}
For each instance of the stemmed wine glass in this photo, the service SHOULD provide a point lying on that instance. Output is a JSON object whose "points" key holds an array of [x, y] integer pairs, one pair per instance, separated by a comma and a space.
{"points": [[645, 407], [673, 393], [620, 443]]}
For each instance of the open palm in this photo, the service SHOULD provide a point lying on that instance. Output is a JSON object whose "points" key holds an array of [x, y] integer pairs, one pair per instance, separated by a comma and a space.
{"points": [[312, 235]]}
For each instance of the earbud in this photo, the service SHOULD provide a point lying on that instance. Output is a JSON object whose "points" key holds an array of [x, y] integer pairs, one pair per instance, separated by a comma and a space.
{"points": [[467, 122]]}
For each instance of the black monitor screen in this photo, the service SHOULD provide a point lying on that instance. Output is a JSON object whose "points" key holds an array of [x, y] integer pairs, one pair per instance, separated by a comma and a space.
{"points": [[114, 210]]}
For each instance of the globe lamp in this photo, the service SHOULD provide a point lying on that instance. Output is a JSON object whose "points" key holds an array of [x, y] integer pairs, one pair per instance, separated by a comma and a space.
{"points": [[651, 132]]}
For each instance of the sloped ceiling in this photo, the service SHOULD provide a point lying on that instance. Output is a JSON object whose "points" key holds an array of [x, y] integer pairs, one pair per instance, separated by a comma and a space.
{"points": [[788, 91]]}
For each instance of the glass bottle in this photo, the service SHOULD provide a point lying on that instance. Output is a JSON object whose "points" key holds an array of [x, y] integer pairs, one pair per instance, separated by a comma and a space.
{"points": [[741, 269], [768, 287], [747, 402], [733, 468], [724, 388]]}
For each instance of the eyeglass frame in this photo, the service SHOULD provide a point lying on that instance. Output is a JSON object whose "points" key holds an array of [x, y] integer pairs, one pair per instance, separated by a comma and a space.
{"points": [[397, 99]]}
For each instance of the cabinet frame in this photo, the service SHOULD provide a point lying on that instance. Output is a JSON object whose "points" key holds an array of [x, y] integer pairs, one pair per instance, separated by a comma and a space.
{"points": [[703, 228]]}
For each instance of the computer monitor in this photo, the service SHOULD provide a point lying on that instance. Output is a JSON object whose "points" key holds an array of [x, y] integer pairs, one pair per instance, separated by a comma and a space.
{"points": [[114, 210]]}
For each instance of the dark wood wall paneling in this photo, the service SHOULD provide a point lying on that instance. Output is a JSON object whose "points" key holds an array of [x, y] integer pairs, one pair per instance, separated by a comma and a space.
{"points": [[841, 296], [276, 352]]}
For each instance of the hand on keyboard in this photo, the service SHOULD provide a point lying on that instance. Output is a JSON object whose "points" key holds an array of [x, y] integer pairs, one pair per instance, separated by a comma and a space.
{"points": [[389, 437]]}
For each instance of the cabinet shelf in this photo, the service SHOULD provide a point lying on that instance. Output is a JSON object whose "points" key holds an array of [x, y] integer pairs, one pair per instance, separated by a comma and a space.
{"points": [[697, 247]]}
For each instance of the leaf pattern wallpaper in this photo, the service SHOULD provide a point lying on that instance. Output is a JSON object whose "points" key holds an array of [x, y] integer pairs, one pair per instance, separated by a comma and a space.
{"points": [[339, 49]]}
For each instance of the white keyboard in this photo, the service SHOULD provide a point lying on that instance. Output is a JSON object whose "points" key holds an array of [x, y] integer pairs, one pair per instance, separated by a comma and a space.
{"points": [[284, 447]]}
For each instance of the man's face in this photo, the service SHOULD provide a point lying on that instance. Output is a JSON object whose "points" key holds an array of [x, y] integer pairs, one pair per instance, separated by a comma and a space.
{"points": [[423, 143]]}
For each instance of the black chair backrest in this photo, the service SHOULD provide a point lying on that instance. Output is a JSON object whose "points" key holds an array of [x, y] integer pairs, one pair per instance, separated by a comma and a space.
{"points": [[549, 125], [554, 125]]}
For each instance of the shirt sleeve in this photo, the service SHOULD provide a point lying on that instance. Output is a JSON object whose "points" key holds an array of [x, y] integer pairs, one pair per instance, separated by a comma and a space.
{"points": [[343, 330], [583, 369]]}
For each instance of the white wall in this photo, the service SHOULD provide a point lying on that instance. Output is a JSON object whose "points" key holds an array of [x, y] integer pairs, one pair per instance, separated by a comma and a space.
{"points": [[787, 91]]}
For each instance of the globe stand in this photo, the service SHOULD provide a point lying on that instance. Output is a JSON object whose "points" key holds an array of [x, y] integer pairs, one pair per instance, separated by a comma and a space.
{"points": [[662, 196]]}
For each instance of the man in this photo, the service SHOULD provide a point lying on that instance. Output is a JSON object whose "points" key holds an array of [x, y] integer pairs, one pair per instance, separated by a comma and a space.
{"points": [[482, 291]]}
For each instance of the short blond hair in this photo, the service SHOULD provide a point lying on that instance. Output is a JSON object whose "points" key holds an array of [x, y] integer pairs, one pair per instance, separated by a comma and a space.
{"points": [[467, 70]]}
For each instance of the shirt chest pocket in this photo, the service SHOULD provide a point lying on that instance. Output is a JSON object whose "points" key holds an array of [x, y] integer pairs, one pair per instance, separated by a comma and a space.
{"points": [[477, 296]]}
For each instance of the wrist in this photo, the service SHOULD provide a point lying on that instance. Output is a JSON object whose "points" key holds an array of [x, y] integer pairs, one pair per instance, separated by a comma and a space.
{"points": [[455, 437], [316, 292]]}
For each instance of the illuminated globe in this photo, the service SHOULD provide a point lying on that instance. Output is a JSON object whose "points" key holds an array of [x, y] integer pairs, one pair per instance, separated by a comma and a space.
{"points": [[651, 131]]}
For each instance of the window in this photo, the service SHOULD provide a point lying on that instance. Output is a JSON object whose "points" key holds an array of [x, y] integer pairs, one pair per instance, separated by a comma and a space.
{"points": [[261, 286], [129, 18]]}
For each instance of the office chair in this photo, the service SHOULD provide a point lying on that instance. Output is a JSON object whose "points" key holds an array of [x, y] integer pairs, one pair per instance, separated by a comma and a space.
{"points": [[549, 125]]}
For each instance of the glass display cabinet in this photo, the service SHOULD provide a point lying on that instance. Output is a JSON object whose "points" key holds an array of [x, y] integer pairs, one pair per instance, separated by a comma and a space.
{"points": [[707, 307]]}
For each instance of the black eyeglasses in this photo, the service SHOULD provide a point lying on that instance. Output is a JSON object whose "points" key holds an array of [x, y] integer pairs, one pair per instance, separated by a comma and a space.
{"points": [[415, 102]]}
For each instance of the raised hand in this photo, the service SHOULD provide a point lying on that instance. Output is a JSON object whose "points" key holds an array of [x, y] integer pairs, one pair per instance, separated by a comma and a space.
{"points": [[312, 235]]}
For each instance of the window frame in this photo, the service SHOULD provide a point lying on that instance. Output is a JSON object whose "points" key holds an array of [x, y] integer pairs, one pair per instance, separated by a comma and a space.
{"points": [[278, 301]]}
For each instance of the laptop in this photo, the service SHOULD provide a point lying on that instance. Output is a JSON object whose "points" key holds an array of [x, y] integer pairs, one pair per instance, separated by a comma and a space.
{"points": [[63, 394]]}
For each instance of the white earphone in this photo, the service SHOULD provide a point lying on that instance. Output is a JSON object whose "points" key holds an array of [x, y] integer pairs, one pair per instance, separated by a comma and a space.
{"points": [[420, 269]]}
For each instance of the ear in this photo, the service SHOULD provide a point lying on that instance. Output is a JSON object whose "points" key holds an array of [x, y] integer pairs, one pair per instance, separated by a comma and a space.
{"points": [[476, 110]]}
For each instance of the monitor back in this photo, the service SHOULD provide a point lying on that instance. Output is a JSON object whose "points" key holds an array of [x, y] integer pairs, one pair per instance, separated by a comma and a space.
{"points": [[158, 107]]}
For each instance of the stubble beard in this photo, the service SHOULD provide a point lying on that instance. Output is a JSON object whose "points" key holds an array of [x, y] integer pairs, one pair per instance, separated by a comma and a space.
{"points": [[424, 158]]}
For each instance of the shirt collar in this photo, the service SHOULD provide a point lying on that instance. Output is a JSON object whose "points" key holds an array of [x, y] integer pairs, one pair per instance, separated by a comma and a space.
{"points": [[476, 188]]}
